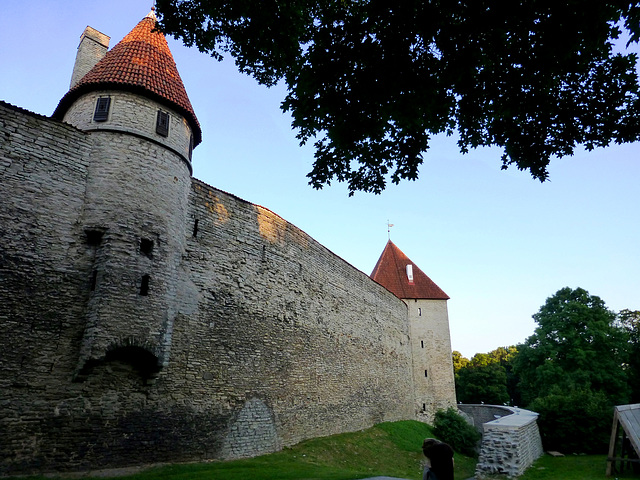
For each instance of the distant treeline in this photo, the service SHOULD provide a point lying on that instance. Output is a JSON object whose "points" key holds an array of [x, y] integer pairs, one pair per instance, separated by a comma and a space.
{"points": [[581, 361]]}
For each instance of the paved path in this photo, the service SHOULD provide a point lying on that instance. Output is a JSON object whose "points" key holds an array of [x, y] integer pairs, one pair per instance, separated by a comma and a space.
{"points": [[384, 478], [396, 478]]}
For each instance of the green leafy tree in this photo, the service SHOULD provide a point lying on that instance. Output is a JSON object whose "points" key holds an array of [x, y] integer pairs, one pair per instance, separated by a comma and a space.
{"points": [[505, 356], [458, 361], [487, 378], [371, 81], [577, 345], [578, 421], [573, 369], [630, 321], [482, 384]]}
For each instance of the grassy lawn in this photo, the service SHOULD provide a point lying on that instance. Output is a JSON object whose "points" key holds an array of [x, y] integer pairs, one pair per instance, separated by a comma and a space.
{"points": [[572, 467], [390, 449]]}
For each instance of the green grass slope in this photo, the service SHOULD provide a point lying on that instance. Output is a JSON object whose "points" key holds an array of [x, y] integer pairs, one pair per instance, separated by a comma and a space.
{"points": [[573, 467], [390, 449]]}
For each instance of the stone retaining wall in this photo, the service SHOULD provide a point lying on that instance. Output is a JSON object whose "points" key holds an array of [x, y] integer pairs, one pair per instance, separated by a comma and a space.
{"points": [[510, 439]]}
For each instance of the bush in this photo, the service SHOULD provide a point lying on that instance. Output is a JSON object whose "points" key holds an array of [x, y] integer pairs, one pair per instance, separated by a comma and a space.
{"points": [[578, 421], [450, 427]]}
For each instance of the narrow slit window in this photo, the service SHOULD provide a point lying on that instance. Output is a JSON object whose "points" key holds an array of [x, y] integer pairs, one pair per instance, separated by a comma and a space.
{"points": [[162, 123], [426, 374], [422, 343], [424, 407], [94, 280], [190, 146], [102, 109], [146, 247], [195, 228], [419, 312], [144, 285]]}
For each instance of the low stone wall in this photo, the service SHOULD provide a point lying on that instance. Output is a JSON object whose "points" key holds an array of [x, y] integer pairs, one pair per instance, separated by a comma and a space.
{"points": [[481, 414], [510, 439]]}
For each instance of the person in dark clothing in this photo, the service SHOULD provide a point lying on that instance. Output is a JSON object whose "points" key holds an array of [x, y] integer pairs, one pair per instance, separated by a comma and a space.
{"points": [[440, 456]]}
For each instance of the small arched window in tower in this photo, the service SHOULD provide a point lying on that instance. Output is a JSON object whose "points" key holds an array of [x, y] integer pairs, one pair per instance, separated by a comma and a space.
{"points": [[162, 123], [102, 109], [146, 247], [144, 285]]}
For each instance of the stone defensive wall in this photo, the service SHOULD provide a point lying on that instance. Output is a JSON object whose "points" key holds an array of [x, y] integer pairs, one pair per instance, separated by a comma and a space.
{"points": [[283, 320], [273, 339], [510, 439]]}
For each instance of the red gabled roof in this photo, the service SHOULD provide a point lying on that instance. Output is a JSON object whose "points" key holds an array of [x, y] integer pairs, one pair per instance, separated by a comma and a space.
{"points": [[140, 63], [391, 273]]}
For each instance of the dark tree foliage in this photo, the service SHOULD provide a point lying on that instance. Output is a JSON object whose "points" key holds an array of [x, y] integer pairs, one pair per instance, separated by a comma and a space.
{"points": [[630, 321], [370, 81], [577, 346], [578, 421], [573, 369], [451, 427], [487, 377], [482, 384]]}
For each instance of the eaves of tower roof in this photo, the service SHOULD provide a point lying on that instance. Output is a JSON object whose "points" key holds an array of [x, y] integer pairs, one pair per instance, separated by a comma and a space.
{"points": [[140, 63], [391, 273]]}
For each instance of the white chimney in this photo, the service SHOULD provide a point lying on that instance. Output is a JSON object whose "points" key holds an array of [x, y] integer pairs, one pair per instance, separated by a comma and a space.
{"points": [[410, 273], [93, 46]]}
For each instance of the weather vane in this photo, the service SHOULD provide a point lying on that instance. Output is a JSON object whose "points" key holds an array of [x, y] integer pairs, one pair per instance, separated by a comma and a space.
{"points": [[389, 225]]}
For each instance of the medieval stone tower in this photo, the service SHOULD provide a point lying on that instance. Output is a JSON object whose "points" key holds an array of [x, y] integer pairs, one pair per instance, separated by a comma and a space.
{"points": [[150, 317], [433, 379], [144, 131]]}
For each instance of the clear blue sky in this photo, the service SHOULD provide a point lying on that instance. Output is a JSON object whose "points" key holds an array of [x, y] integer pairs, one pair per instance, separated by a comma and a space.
{"points": [[499, 243]]}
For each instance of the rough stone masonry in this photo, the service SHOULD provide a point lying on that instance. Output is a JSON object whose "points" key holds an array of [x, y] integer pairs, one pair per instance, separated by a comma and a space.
{"points": [[149, 317]]}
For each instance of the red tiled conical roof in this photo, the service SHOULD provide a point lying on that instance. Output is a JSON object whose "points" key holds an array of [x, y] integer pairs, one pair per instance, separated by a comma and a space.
{"points": [[140, 63], [391, 273]]}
